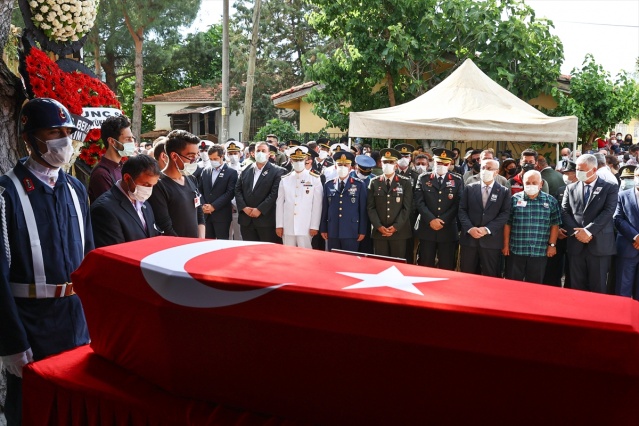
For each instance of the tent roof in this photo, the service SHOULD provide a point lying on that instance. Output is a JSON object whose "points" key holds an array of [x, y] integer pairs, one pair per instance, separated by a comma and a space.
{"points": [[468, 105]]}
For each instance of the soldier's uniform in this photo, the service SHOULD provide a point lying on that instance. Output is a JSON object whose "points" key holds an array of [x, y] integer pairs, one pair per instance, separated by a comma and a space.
{"points": [[299, 203], [365, 165], [344, 209], [236, 148], [48, 230], [437, 197], [389, 205], [406, 151]]}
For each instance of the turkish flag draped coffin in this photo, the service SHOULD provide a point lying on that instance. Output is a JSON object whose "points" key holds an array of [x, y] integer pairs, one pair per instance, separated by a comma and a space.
{"points": [[337, 339]]}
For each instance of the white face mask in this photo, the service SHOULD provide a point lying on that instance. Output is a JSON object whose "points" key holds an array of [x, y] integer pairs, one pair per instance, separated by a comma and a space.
{"points": [[233, 159], [361, 176], [403, 162], [440, 169], [566, 157], [128, 149], [531, 190], [567, 180], [299, 166], [582, 176], [421, 169], [141, 193], [486, 175], [388, 169], [59, 151], [216, 164], [323, 155], [189, 168], [342, 171], [204, 156], [261, 157]]}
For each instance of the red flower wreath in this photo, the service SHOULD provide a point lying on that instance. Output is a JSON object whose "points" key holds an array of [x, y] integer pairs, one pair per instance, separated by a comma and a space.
{"points": [[73, 90]]}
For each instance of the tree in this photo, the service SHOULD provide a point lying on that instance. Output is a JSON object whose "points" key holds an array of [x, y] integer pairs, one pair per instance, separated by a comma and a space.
{"points": [[144, 17], [11, 97], [391, 51], [596, 100]]}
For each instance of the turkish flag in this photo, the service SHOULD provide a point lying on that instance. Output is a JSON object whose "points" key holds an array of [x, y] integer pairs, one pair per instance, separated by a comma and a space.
{"points": [[336, 339]]}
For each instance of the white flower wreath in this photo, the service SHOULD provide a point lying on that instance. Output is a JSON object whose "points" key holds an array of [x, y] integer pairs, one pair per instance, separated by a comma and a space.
{"points": [[64, 20]]}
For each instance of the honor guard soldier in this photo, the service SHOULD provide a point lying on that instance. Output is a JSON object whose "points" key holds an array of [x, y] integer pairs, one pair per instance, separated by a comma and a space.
{"points": [[233, 153], [344, 223], [390, 199], [324, 159], [47, 232], [298, 209], [437, 197]]}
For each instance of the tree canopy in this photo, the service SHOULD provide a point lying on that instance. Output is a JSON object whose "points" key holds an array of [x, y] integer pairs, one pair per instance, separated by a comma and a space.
{"points": [[389, 52], [598, 101]]}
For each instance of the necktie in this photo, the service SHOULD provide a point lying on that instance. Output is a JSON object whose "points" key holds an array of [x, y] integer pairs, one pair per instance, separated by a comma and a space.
{"points": [[341, 186], [441, 180], [587, 194], [484, 195], [388, 184]]}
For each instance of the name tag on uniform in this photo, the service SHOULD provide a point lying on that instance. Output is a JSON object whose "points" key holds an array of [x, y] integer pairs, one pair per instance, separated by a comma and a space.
{"points": [[597, 190], [522, 203], [450, 183], [196, 201], [399, 190]]}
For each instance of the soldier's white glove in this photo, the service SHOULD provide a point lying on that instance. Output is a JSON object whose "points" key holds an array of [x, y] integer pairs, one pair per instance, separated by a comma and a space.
{"points": [[14, 363]]}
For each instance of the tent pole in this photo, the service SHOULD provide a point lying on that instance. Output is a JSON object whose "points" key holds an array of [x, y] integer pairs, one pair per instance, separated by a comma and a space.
{"points": [[349, 142], [389, 142], [557, 154], [574, 149]]}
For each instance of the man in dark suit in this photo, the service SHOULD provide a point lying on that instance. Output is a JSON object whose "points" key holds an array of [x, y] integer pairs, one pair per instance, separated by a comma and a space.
{"points": [[390, 200], [483, 211], [122, 213], [437, 197], [256, 194], [627, 223], [217, 186], [586, 213]]}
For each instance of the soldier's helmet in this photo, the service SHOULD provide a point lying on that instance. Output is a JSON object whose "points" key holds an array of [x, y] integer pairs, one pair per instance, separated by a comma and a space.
{"points": [[44, 113]]}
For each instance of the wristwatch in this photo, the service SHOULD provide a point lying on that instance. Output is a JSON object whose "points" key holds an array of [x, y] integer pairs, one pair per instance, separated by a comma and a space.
{"points": [[552, 244]]}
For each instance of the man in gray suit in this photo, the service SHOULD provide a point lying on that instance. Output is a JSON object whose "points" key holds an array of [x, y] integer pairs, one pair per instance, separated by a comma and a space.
{"points": [[553, 177], [483, 211], [586, 213], [256, 194]]}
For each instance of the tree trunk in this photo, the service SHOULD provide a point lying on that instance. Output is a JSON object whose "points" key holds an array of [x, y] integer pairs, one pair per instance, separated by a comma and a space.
{"points": [[391, 88], [136, 120], [108, 65], [250, 73], [11, 97]]}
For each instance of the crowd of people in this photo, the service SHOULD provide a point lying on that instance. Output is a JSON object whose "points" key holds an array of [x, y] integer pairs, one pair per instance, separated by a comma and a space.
{"points": [[480, 213]]}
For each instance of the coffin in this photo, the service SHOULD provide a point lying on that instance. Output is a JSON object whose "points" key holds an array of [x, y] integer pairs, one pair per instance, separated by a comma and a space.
{"points": [[335, 339]]}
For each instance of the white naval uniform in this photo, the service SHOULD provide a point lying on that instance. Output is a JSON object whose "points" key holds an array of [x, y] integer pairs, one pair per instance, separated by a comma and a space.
{"points": [[299, 207]]}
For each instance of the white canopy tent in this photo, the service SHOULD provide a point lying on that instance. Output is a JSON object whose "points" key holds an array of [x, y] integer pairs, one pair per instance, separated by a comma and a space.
{"points": [[468, 105]]}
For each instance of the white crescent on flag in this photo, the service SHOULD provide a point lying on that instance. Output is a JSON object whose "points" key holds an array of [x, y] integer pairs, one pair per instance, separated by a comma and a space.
{"points": [[164, 272]]}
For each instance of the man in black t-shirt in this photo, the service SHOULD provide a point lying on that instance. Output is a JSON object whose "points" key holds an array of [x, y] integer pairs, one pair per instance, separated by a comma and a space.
{"points": [[176, 199]]}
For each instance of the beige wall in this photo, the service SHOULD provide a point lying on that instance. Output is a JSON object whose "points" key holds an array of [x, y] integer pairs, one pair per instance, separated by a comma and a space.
{"points": [[310, 123], [162, 120]]}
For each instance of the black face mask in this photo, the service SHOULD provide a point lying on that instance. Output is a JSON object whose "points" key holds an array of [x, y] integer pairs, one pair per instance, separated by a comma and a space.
{"points": [[512, 172], [476, 167], [526, 167]]}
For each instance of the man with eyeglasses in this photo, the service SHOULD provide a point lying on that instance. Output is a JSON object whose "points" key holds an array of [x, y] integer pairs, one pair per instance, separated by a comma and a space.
{"points": [[118, 137], [176, 200]]}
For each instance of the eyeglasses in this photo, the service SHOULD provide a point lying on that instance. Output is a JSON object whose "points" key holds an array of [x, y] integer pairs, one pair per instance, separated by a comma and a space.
{"points": [[191, 160]]}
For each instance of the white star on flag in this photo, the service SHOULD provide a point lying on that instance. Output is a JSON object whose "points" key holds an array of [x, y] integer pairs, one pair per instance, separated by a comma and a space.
{"points": [[391, 277]]}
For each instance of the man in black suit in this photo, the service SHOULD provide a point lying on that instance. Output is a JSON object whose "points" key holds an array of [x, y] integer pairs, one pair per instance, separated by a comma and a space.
{"points": [[586, 213], [483, 211], [122, 213], [217, 186], [256, 194]]}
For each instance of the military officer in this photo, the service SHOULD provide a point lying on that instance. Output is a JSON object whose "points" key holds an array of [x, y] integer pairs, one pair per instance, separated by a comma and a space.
{"points": [[404, 162], [365, 165], [390, 199], [344, 223], [298, 208], [48, 231], [437, 196], [233, 152], [323, 159]]}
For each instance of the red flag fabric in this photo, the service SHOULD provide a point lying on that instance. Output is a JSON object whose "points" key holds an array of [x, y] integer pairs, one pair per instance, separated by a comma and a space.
{"points": [[337, 339]]}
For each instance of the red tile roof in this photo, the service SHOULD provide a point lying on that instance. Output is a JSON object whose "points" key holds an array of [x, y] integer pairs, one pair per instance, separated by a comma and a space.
{"points": [[192, 94], [293, 89]]}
